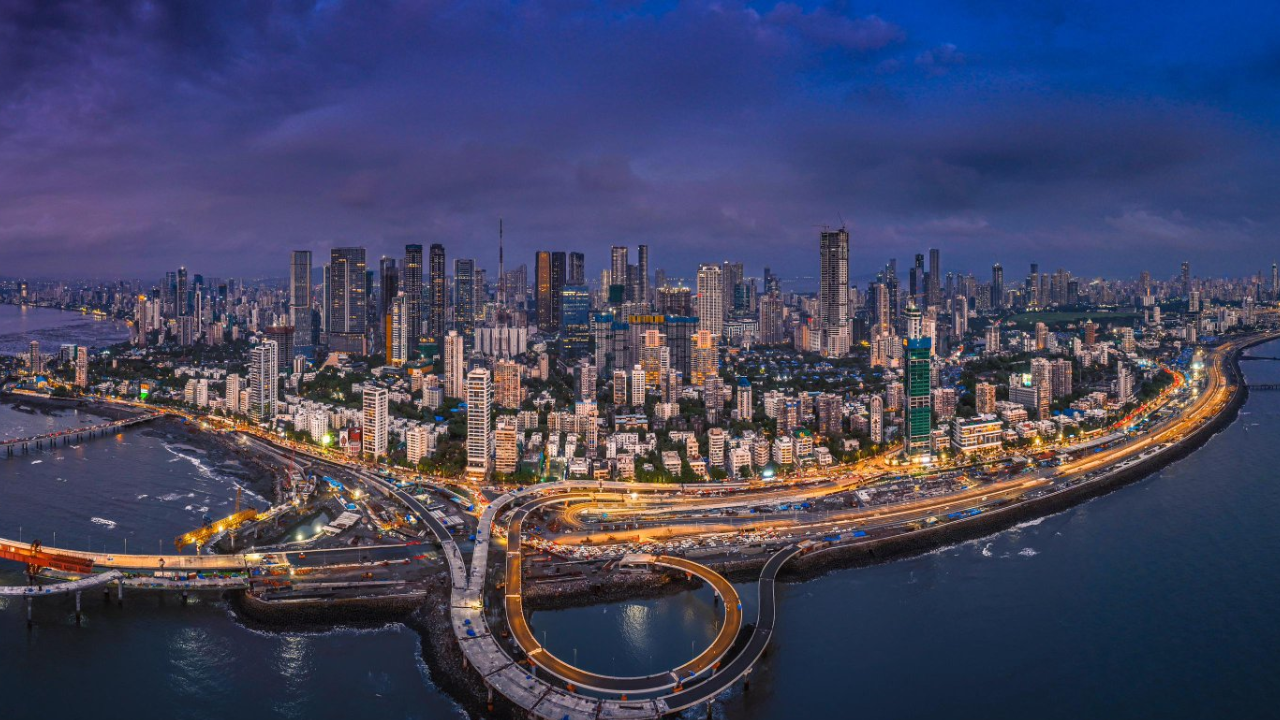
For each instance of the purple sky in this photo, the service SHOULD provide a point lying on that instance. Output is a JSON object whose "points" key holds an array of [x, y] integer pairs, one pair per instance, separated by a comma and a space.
{"points": [[221, 135]]}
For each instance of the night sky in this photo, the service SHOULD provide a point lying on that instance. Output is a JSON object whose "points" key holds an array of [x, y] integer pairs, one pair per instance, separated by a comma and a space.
{"points": [[1104, 137]]}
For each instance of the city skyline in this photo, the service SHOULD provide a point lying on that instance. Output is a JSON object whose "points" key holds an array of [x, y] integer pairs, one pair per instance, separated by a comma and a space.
{"points": [[1108, 135]]}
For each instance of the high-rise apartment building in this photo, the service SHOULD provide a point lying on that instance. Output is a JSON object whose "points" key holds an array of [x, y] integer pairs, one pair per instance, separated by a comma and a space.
{"points": [[508, 390], [984, 398], [576, 272], [586, 376], [231, 398], [454, 352], [479, 423], [711, 300], [618, 269], [347, 302], [400, 335], [263, 385], [506, 445], [575, 321], [436, 293], [918, 440], [935, 276], [542, 290], [641, 292], [464, 298], [412, 288], [300, 299], [82, 367], [705, 357], [833, 291], [373, 430]]}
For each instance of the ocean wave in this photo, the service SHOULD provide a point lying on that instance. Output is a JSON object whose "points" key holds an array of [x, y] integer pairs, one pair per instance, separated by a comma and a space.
{"points": [[1029, 523], [206, 471], [108, 524], [1028, 552], [986, 550]]}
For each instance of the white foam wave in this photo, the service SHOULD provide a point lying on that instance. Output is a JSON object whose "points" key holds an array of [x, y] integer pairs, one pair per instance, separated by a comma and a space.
{"points": [[1028, 552], [108, 524], [986, 550]]}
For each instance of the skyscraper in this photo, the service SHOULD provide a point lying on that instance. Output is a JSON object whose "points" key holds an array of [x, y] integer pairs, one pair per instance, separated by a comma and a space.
{"points": [[770, 320], [507, 387], [464, 298], [1186, 279], [710, 300], [997, 287], [180, 294], [558, 272], [454, 365], [388, 286], [935, 276], [542, 288], [347, 303], [263, 389], [575, 325], [506, 445], [373, 431], [642, 274], [833, 291], [412, 287], [917, 443], [82, 367], [400, 335], [436, 292], [576, 274], [479, 438], [618, 266], [730, 279], [300, 298]]}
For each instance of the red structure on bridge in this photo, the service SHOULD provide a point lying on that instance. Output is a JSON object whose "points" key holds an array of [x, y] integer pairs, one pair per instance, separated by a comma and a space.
{"points": [[36, 559]]}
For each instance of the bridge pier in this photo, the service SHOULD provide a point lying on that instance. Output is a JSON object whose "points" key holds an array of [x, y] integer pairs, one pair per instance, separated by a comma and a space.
{"points": [[120, 594], [77, 608], [29, 623]]}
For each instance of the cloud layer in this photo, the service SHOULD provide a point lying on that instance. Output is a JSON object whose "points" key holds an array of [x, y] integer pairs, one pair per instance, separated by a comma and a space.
{"points": [[140, 136]]}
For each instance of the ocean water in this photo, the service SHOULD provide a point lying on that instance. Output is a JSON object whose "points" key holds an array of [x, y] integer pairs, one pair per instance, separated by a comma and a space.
{"points": [[156, 657], [53, 328]]}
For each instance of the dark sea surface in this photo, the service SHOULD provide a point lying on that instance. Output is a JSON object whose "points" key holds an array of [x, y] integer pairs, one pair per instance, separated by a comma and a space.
{"points": [[1157, 600], [53, 328]]}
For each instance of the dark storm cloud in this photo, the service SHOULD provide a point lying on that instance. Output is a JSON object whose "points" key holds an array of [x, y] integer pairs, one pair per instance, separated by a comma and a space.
{"points": [[137, 136]]}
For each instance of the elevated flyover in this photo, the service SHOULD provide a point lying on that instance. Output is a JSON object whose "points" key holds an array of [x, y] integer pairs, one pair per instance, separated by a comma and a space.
{"points": [[708, 659]]}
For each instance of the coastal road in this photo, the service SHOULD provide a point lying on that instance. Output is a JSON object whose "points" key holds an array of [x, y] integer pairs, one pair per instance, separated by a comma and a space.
{"points": [[523, 634]]}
